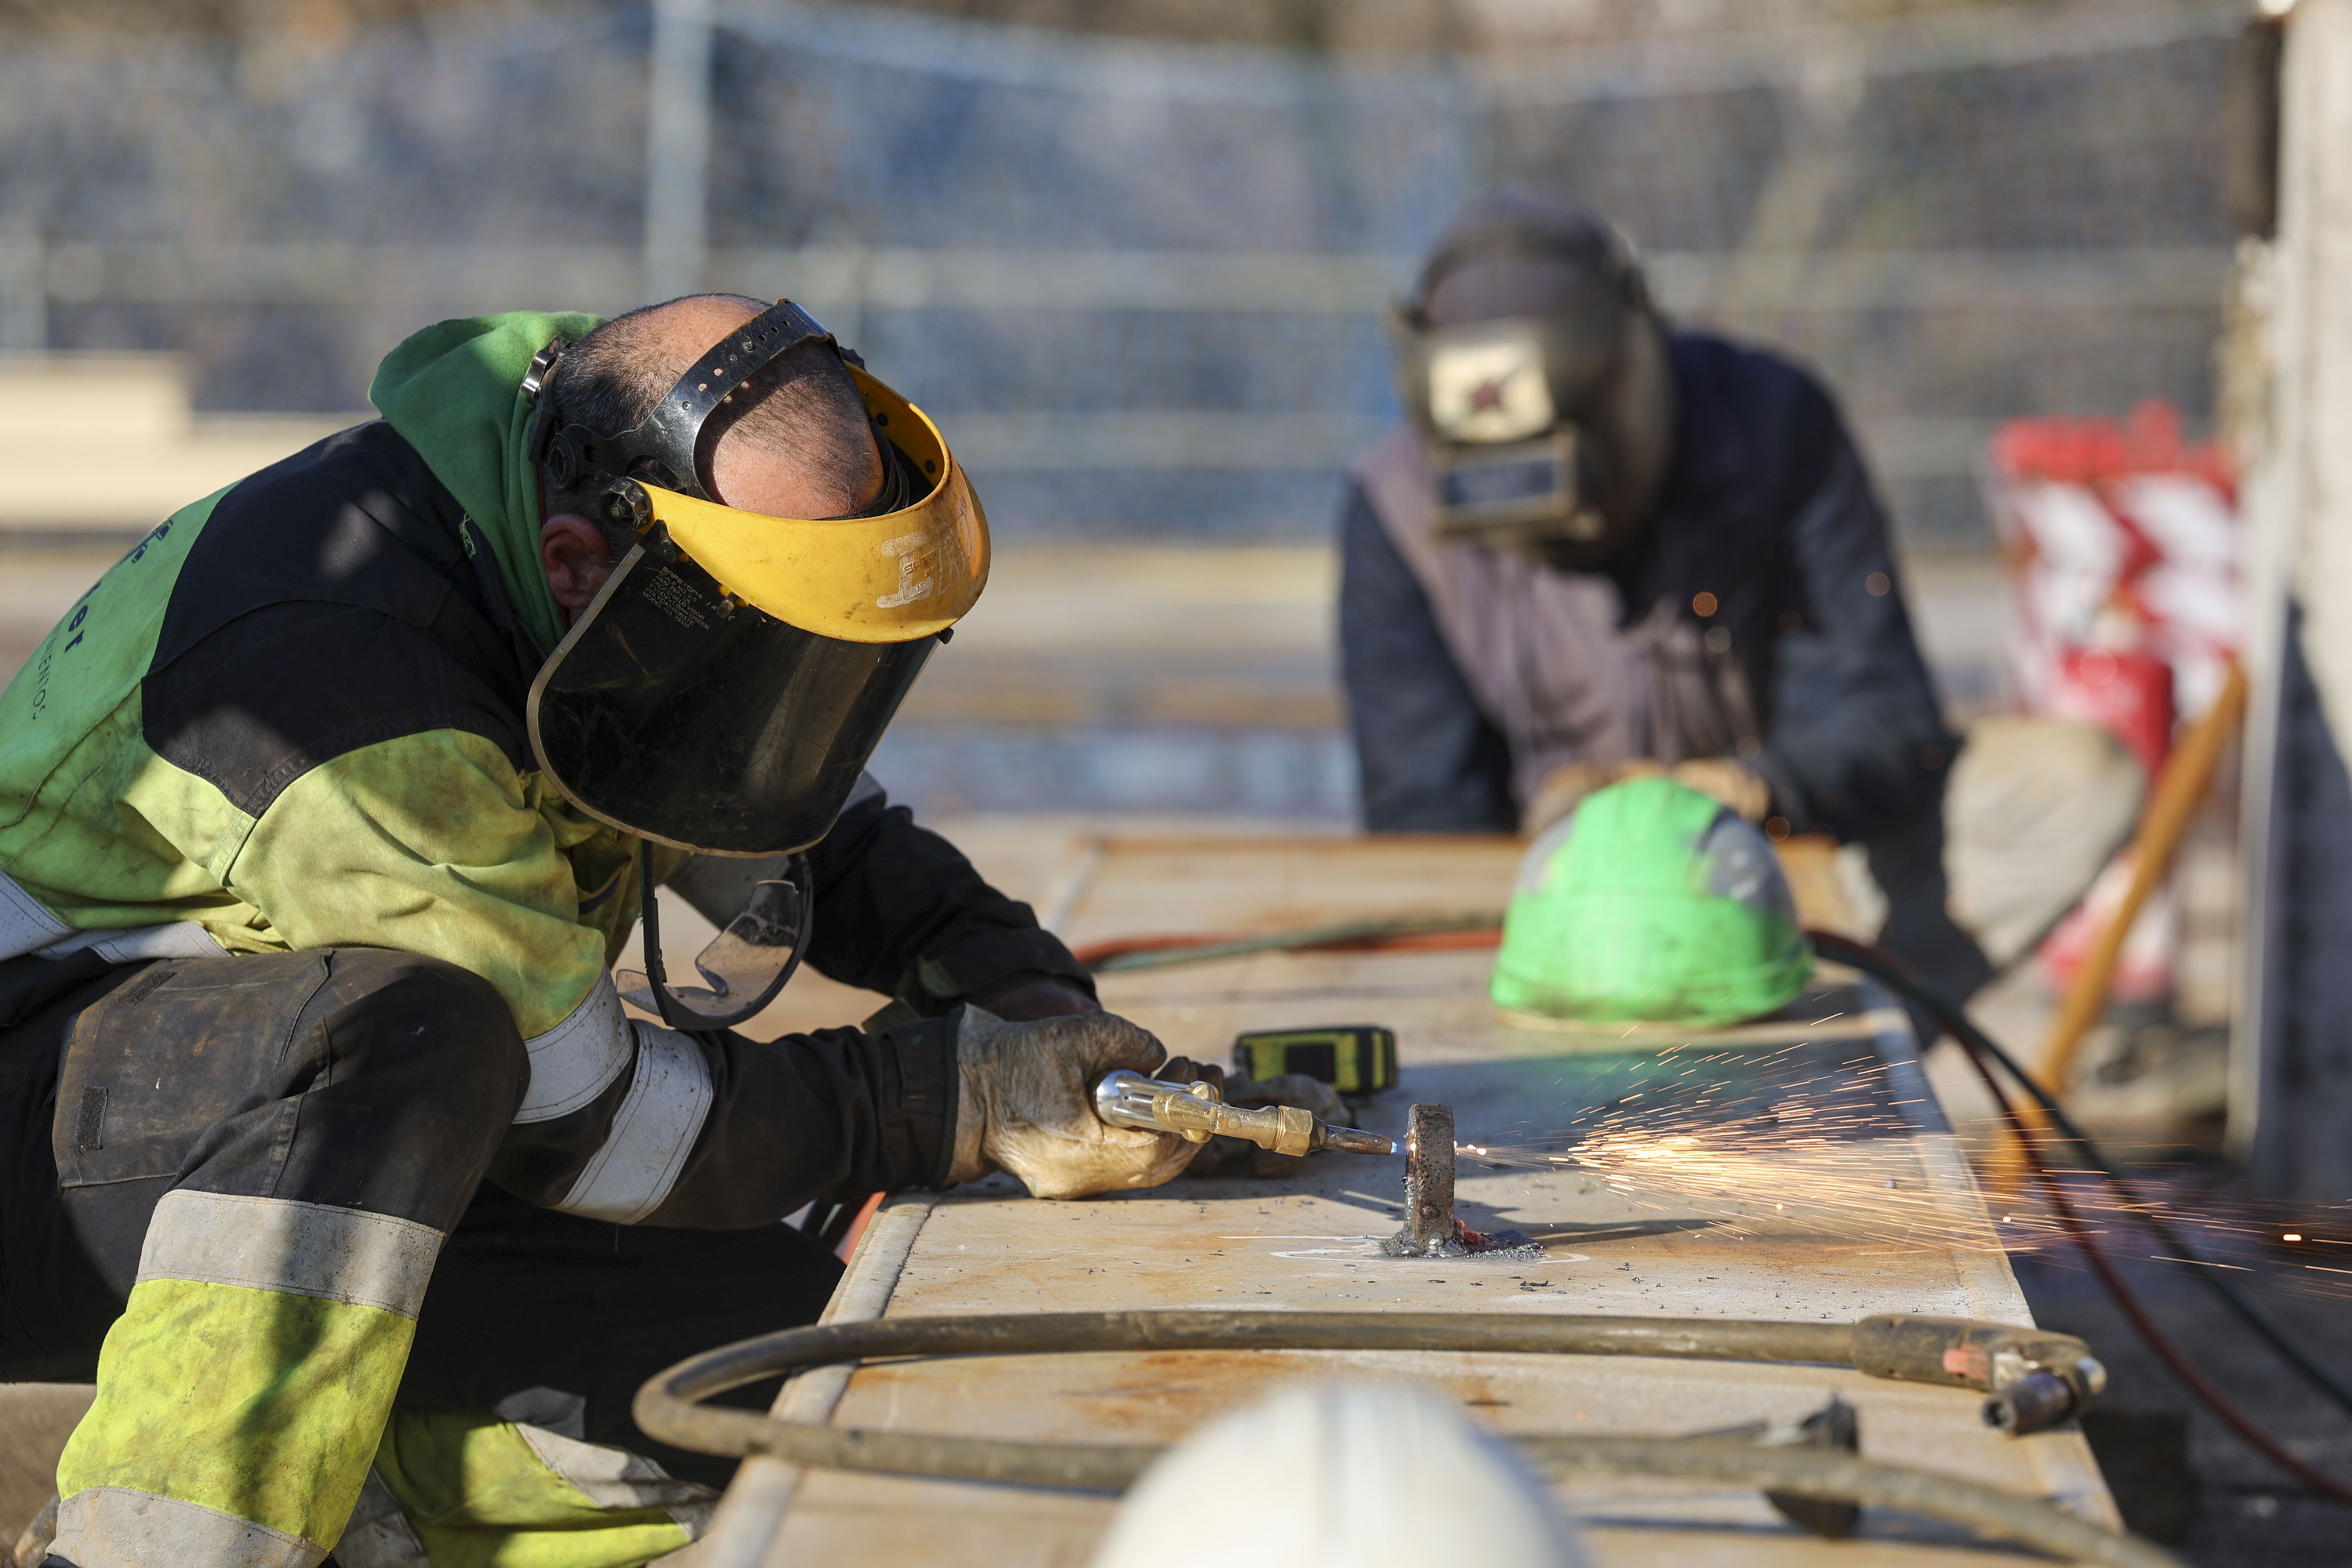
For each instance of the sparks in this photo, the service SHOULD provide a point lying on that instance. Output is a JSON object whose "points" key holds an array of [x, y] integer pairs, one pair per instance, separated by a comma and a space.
{"points": [[1781, 1143]]}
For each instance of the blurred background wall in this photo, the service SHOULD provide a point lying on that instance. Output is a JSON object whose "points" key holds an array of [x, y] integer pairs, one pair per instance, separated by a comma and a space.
{"points": [[1134, 254], [1137, 251]]}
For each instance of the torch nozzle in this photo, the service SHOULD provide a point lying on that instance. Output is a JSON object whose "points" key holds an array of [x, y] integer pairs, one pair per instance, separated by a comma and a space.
{"points": [[1354, 1141], [1193, 1111]]}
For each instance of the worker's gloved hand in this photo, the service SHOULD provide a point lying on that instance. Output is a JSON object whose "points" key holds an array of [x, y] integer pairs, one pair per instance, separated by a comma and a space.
{"points": [[1028, 1104], [1725, 779], [1565, 787], [1239, 1156], [1732, 782], [1037, 997]]}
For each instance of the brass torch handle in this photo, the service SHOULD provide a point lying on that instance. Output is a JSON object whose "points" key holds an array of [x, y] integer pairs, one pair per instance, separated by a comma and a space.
{"points": [[1193, 1112]]}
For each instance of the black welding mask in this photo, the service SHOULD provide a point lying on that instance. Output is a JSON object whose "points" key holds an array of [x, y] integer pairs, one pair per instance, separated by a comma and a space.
{"points": [[724, 691], [1531, 360]]}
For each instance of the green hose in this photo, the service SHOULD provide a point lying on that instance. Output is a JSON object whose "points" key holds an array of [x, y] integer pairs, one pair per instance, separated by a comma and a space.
{"points": [[667, 1407]]}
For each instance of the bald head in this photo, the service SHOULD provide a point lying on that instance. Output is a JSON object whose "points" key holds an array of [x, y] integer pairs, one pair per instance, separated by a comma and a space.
{"points": [[795, 443]]}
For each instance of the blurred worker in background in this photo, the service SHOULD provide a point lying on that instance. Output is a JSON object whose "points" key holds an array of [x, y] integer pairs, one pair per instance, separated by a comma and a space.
{"points": [[322, 817], [1605, 545]]}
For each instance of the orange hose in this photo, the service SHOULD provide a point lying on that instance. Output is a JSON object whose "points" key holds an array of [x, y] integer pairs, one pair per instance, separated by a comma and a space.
{"points": [[2178, 787], [1119, 947], [1420, 941]]}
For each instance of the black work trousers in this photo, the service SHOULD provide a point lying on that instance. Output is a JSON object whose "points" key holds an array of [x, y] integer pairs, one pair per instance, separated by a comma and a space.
{"points": [[363, 1078]]}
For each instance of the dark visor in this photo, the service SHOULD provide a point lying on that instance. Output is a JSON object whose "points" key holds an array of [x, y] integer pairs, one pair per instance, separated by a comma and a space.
{"points": [[675, 713]]}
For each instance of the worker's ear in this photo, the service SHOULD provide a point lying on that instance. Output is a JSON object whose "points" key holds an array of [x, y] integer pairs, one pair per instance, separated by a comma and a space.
{"points": [[576, 558]]}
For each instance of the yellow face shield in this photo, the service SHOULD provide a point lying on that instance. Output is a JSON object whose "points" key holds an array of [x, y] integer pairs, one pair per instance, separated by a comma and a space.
{"points": [[725, 688], [904, 575]]}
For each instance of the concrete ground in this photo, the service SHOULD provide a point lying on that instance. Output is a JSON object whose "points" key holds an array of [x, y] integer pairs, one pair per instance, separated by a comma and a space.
{"points": [[2175, 1468], [1134, 687]]}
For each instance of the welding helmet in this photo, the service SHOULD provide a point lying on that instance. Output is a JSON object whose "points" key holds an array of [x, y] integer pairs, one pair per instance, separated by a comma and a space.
{"points": [[1651, 903], [1529, 356], [723, 692]]}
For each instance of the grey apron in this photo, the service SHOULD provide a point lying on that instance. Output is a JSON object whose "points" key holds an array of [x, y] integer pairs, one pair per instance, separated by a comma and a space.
{"points": [[1546, 653]]}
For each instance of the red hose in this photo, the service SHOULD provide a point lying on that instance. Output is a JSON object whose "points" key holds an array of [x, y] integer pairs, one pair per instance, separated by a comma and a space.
{"points": [[1425, 942], [2158, 1341]]}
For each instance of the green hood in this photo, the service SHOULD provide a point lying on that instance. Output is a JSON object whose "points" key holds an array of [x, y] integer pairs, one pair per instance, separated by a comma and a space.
{"points": [[454, 392]]}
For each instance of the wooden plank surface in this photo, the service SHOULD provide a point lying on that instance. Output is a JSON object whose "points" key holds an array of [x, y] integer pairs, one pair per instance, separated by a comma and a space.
{"points": [[1798, 1169]]}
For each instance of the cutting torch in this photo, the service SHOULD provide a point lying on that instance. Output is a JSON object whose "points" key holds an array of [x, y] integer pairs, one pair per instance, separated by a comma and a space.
{"points": [[1195, 1111]]}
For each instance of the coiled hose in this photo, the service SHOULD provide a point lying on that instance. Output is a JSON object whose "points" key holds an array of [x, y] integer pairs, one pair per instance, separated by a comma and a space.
{"points": [[667, 1407]]}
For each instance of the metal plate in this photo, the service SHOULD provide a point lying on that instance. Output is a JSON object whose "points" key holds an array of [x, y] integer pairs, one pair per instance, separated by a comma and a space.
{"points": [[1842, 1250]]}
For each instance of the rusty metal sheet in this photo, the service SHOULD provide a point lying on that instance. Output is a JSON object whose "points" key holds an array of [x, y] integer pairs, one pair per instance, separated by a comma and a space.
{"points": [[1821, 1184]]}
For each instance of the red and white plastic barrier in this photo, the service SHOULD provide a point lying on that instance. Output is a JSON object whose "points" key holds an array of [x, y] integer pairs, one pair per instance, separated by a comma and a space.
{"points": [[2122, 546]]}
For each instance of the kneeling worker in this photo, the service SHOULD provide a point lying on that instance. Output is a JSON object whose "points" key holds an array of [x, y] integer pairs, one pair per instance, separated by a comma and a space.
{"points": [[1604, 546], [330, 1151]]}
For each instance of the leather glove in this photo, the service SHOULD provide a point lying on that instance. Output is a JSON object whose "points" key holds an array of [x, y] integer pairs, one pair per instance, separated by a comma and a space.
{"points": [[1040, 997], [1239, 1156], [1565, 787], [1028, 1104], [1725, 779], [1733, 783]]}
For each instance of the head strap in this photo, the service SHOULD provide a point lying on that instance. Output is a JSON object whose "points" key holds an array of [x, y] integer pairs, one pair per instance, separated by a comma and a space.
{"points": [[667, 448]]}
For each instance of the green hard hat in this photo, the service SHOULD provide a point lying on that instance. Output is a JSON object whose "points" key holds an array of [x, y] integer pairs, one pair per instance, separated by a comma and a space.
{"points": [[1651, 903]]}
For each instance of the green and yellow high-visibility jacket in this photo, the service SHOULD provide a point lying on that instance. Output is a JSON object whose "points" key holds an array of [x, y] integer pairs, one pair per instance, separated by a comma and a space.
{"points": [[291, 717]]}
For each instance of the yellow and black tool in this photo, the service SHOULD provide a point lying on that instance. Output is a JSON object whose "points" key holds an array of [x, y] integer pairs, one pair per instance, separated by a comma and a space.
{"points": [[1357, 1059]]}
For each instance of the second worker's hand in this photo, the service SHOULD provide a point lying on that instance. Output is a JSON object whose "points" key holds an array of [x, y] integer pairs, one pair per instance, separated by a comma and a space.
{"points": [[1027, 1104], [1727, 779]]}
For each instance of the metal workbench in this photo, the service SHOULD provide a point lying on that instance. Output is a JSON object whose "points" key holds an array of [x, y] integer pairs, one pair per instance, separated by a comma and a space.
{"points": [[1865, 1206]]}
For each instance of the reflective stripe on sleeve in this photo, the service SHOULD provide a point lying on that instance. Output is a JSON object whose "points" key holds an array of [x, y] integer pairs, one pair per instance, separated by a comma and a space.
{"points": [[25, 923], [295, 1249], [27, 926], [578, 1059], [653, 1132], [181, 939], [116, 1527]]}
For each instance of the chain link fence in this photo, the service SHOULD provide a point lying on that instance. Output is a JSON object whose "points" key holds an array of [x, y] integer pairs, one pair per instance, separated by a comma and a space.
{"points": [[1141, 283]]}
